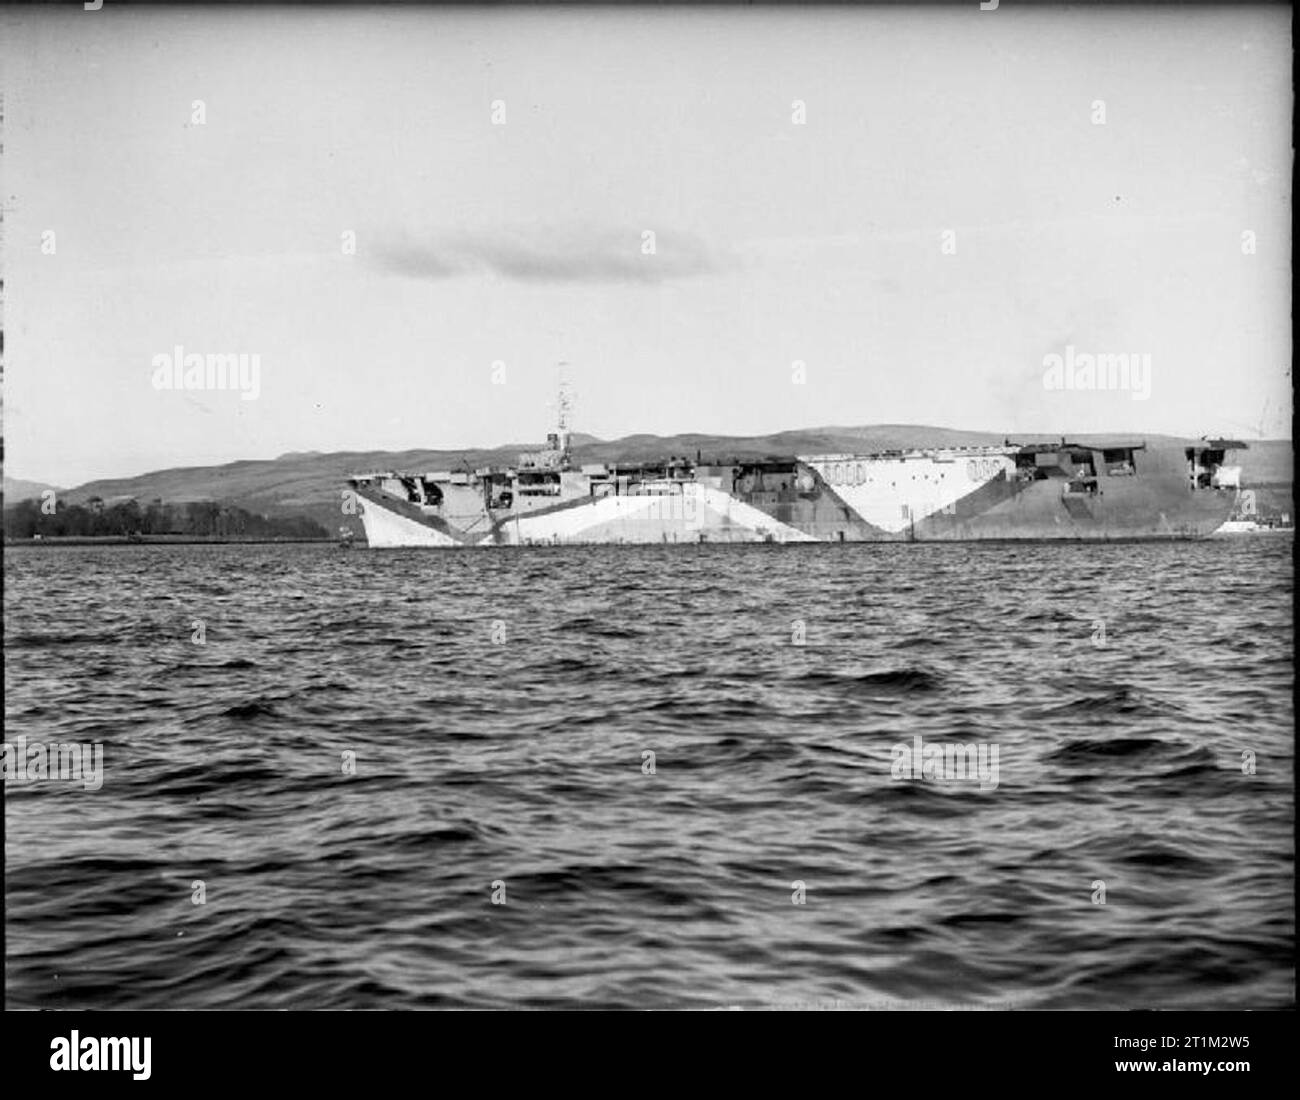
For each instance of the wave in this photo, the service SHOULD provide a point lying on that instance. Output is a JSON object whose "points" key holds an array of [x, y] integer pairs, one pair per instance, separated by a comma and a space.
{"points": [[886, 681]]}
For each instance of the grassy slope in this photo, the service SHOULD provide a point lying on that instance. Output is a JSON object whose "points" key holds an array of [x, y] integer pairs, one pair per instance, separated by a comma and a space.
{"points": [[16, 489]]}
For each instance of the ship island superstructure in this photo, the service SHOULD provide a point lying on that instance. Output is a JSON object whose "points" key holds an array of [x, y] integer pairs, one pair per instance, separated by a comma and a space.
{"points": [[1062, 490]]}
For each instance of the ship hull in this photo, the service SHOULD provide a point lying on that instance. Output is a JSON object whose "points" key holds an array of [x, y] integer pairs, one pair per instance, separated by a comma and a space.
{"points": [[987, 494], [1148, 509]]}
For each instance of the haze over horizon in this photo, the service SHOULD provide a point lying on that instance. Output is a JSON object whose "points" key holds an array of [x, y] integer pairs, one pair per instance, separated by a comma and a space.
{"points": [[493, 242]]}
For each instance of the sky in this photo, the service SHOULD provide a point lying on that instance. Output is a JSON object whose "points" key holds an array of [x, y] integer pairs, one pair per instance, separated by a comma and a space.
{"points": [[411, 216]]}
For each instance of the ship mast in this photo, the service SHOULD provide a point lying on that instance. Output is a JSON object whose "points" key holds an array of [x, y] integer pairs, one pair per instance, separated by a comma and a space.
{"points": [[564, 413]]}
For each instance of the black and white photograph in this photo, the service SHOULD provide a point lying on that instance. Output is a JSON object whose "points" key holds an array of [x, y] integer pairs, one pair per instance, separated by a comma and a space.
{"points": [[633, 507]]}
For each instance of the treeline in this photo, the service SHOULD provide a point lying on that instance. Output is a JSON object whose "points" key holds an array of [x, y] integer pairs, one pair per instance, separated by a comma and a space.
{"points": [[196, 519]]}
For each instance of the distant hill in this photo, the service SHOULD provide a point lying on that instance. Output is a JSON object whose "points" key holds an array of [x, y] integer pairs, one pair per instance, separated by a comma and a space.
{"points": [[16, 489], [311, 484]]}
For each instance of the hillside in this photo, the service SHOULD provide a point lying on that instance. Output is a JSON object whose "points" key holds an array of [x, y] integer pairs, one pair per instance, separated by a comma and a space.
{"points": [[311, 483], [16, 489]]}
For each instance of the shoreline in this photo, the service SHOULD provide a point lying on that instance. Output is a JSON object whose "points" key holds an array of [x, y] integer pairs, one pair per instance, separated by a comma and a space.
{"points": [[159, 540]]}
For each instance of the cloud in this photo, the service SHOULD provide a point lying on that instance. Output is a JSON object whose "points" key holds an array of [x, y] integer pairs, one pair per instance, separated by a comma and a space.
{"points": [[550, 255]]}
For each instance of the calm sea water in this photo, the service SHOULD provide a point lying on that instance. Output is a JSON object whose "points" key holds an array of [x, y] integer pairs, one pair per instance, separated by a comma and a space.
{"points": [[500, 706]]}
